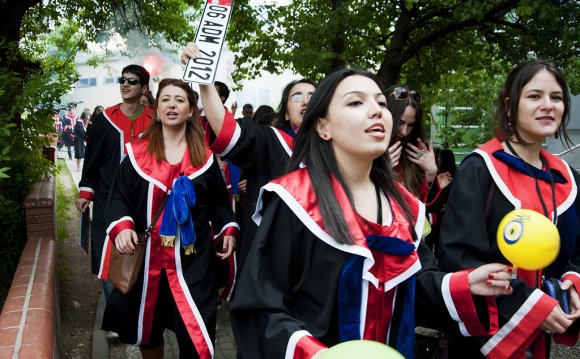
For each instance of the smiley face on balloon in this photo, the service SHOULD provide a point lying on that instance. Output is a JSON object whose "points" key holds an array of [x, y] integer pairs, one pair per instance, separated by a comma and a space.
{"points": [[528, 239]]}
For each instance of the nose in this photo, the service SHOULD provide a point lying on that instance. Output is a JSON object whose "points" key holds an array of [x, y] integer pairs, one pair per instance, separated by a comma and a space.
{"points": [[403, 130], [547, 104], [375, 111]]}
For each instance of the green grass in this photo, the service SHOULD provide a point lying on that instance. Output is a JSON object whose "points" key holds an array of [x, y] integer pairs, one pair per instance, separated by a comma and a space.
{"points": [[63, 200]]}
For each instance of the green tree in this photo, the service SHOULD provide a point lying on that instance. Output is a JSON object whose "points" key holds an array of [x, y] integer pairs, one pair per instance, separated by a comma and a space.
{"points": [[38, 44], [455, 52]]}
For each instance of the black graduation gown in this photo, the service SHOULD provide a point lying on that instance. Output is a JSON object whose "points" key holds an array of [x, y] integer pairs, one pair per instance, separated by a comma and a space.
{"points": [[294, 288], [468, 239], [262, 152], [110, 131], [139, 189], [79, 132]]}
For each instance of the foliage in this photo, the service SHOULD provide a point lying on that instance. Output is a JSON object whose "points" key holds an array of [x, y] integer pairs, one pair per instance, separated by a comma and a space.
{"points": [[456, 52], [38, 44]]}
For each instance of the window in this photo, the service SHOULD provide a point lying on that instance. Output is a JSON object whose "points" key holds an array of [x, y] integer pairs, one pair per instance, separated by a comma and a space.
{"points": [[87, 82], [110, 81]]}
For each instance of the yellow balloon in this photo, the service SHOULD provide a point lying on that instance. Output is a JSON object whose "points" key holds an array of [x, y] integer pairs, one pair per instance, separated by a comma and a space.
{"points": [[528, 239], [367, 349]]}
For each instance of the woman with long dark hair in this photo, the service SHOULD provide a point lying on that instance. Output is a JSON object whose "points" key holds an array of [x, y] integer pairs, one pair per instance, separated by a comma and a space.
{"points": [[513, 171], [338, 250], [177, 287], [262, 152]]}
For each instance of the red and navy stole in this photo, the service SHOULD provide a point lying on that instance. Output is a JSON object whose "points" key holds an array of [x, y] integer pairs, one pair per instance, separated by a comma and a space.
{"points": [[518, 186], [383, 259]]}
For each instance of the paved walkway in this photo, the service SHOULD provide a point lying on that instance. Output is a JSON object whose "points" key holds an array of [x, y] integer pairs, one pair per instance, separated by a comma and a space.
{"points": [[225, 347]]}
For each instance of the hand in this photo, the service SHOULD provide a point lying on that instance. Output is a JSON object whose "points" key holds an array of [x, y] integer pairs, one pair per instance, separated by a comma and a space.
{"points": [[573, 299], [242, 185], [445, 179], [228, 246], [126, 241], [191, 51], [556, 321], [395, 153], [82, 204], [424, 156], [491, 279]]}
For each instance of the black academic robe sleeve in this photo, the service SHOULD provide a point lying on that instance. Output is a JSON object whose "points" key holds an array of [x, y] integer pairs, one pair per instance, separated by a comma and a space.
{"points": [[128, 198], [468, 232], [101, 161], [287, 285], [219, 208]]}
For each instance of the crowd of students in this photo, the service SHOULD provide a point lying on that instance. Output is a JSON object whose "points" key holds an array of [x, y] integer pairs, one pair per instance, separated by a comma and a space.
{"points": [[331, 244]]}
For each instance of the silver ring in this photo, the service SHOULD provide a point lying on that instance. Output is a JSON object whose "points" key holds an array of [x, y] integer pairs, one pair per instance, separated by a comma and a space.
{"points": [[548, 331], [420, 153]]}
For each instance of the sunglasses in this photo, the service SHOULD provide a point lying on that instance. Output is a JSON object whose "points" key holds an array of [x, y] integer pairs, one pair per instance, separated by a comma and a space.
{"points": [[299, 97], [403, 93], [131, 80]]}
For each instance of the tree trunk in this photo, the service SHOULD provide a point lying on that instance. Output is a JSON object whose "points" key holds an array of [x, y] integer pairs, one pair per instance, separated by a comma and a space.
{"points": [[11, 17], [337, 43]]}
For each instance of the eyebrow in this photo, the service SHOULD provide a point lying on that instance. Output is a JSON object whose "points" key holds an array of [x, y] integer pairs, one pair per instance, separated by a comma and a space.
{"points": [[301, 93], [179, 96], [538, 90], [361, 93]]}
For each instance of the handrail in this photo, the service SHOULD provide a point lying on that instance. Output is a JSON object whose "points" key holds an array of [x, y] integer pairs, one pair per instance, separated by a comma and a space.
{"points": [[568, 150]]}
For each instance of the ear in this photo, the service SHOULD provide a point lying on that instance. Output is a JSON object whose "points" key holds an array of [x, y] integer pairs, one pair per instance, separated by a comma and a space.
{"points": [[506, 106], [322, 129]]}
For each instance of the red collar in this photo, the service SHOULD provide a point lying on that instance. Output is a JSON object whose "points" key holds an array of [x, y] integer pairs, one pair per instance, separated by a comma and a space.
{"points": [[516, 185], [160, 173]]}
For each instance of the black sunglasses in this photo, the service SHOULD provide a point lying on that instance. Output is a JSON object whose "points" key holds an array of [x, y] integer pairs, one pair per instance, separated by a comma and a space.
{"points": [[131, 80], [403, 93]]}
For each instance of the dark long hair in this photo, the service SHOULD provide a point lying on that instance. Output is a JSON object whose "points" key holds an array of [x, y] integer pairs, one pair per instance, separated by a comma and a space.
{"points": [[281, 121], [412, 173], [321, 162], [508, 99], [193, 130]]}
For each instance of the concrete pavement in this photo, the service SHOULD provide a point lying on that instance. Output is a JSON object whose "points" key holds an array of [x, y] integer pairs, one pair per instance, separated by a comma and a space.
{"points": [[225, 347]]}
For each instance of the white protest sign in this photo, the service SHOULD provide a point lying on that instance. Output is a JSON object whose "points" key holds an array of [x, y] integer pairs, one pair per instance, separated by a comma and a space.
{"points": [[210, 38]]}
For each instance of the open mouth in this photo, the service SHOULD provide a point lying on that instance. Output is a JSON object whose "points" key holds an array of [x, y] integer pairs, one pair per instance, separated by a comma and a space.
{"points": [[376, 129]]}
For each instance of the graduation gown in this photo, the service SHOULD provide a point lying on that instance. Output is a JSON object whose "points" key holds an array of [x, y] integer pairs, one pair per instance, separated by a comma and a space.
{"points": [[110, 131], [468, 239], [262, 152], [301, 291], [139, 189]]}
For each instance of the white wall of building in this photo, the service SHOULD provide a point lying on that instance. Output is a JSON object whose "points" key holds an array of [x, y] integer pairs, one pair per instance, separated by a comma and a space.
{"points": [[98, 85]]}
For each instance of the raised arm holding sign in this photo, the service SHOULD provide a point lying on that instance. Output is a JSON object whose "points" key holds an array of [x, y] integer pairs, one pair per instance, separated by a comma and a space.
{"points": [[211, 37]]}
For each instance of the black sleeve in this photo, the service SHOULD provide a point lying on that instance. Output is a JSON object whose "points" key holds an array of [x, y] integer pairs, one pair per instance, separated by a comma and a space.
{"points": [[94, 155], [468, 232], [288, 284], [220, 208], [127, 198]]}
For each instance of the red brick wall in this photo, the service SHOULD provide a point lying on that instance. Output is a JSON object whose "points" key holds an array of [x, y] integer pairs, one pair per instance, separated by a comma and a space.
{"points": [[29, 323]]}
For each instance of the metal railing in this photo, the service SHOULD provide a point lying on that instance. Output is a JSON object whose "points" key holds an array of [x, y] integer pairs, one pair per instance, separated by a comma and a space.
{"points": [[568, 150]]}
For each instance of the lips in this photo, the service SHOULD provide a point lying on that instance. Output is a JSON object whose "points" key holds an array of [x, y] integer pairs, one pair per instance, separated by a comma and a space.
{"points": [[376, 128], [171, 114], [546, 118]]}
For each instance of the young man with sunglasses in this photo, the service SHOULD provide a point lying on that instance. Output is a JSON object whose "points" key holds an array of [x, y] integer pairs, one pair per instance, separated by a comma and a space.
{"points": [[110, 131]]}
